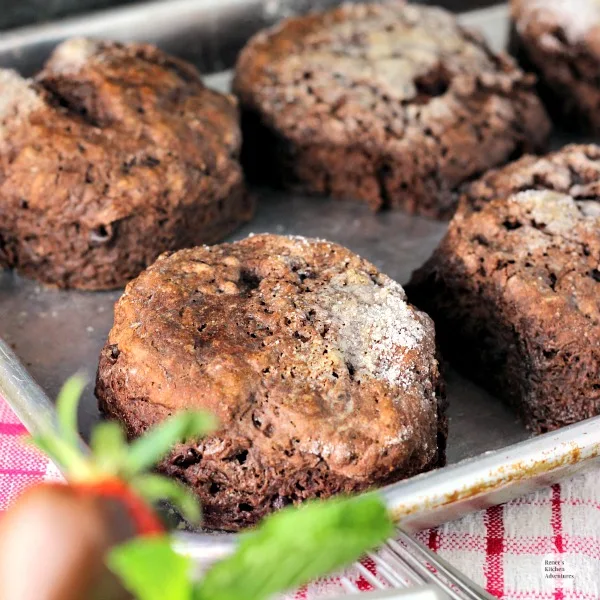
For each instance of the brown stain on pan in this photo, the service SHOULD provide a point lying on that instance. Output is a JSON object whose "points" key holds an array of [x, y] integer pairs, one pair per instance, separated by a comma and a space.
{"points": [[501, 478]]}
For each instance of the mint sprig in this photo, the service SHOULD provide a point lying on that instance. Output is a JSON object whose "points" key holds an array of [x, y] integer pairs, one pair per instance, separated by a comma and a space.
{"points": [[287, 550], [66, 407], [151, 570], [155, 488], [296, 545], [63, 447]]}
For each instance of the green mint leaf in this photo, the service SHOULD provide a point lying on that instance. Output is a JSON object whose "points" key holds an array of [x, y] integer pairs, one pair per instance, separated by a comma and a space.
{"points": [[53, 448], [154, 488], [109, 447], [147, 450], [296, 545], [66, 408], [64, 455], [64, 446], [151, 570]]}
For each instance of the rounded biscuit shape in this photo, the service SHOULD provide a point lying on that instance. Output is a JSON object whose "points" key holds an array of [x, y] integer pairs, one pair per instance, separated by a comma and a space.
{"points": [[111, 155], [324, 378]]}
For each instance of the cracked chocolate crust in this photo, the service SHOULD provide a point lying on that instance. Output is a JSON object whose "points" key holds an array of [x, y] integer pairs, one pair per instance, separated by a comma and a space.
{"points": [[514, 287], [112, 155], [391, 103], [324, 379], [560, 42]]}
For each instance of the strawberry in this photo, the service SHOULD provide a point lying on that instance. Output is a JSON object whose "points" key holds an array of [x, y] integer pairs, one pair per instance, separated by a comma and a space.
{"points": [[54, 539]]}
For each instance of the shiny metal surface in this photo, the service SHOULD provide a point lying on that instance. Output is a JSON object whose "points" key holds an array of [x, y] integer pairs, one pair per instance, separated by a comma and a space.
{"points": [[56, 333], [407, 569], [25, 396], [207, 32], [494, 477]]}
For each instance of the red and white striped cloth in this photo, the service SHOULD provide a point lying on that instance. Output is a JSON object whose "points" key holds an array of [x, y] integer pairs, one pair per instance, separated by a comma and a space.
{"points": [[516, 551], [505, 549]]}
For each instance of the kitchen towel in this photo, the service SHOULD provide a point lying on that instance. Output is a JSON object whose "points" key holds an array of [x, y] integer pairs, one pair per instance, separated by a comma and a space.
{"points": [[545, 546]]}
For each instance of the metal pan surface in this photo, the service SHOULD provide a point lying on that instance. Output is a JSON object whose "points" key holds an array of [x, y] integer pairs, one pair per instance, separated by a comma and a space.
{"points": [[56, 333]]}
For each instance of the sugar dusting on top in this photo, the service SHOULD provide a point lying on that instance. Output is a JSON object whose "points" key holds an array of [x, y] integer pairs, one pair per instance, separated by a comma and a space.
{"points": [[392, 44], [71, 56], [576, 17], [559, 213], [373, 325], [589, 208], [18, 99]]}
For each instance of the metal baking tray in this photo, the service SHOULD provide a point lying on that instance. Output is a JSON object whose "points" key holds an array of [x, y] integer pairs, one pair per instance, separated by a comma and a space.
{"points": [[56, 333]]}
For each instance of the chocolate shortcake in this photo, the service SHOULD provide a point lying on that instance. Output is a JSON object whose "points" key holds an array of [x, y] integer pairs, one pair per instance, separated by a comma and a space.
{"points": [[324, 379], [559, 40], [112, 155], [391, 103], [514, 287]]}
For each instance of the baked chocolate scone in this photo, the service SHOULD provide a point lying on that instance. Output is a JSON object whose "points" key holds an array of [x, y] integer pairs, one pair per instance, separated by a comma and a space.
{"points": [[392, 103], [112, 155], [324, 379], [514, 287], [560, 41]]}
